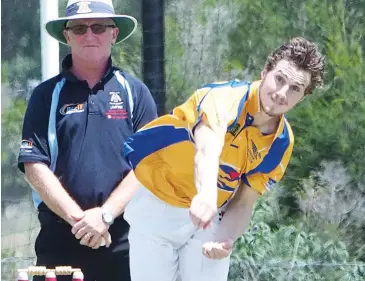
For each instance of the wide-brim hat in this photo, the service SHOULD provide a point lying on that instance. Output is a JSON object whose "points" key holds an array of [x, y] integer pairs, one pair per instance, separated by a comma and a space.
{"points": [[77, 9]]}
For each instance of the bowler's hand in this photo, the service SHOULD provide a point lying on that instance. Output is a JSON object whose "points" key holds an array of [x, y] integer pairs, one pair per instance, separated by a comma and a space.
{"points": [[217, 250], [202, 210], [91, 224]]}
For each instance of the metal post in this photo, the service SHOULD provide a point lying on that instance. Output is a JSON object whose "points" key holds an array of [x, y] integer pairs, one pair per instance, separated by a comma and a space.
{"points": [[153, 51], [49, 46]]}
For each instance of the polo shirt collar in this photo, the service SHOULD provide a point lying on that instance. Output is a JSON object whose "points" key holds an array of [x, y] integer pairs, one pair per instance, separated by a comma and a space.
{"points": [[67, 64]]}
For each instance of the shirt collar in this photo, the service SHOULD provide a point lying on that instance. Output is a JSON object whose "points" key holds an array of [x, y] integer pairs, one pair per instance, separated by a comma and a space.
{"points": [[67, 64]]}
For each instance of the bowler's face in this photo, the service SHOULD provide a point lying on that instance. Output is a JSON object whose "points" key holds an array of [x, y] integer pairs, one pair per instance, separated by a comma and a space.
{"points": [[282, 88]]}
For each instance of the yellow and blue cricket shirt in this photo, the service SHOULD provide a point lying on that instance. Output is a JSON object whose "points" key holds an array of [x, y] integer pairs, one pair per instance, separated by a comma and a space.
{"points": [[162, 152]]}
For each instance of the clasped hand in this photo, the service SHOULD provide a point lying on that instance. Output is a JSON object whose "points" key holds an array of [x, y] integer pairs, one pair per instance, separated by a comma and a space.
{"points": [[91, 229]]}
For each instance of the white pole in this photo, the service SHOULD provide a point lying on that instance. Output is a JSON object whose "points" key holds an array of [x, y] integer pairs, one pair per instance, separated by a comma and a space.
{"points": [[49, 46]]}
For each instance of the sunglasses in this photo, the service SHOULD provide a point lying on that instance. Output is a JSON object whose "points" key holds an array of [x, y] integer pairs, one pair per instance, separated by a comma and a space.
{"points": [[80, 29]]}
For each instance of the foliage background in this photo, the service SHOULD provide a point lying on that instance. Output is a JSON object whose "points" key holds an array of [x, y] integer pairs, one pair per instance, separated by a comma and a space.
{"points": [[312, 226]]}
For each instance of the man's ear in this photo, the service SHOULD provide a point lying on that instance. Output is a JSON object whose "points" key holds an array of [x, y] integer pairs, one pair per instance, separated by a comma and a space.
{"points": [[66, 36], [263, 74], [115, 35]]}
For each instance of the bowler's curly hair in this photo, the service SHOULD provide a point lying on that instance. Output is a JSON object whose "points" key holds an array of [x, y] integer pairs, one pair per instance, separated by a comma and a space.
{"points": [[304, 54]]}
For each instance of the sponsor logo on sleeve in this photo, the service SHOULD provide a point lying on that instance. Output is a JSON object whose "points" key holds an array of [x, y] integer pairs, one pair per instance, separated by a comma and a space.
{"points": [[26, 146]]}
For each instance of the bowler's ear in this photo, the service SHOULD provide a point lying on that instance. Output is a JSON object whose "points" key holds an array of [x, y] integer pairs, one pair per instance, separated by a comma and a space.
{"points": [[263, 73]]}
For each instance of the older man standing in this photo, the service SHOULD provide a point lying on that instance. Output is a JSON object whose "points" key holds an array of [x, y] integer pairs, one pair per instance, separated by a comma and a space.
{"points": [[72, 142]]}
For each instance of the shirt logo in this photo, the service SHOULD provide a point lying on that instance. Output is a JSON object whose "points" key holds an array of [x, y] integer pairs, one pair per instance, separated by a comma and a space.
{"points": [[253, 153], [234, 129], [116, 107], [26, 146], [270, 184], [115, 98], [116, 101], [83, 7], [72, 108]]}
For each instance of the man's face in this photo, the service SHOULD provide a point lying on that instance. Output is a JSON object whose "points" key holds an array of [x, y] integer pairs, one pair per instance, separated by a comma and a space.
{"points": [[282, 88], [90, 46]]}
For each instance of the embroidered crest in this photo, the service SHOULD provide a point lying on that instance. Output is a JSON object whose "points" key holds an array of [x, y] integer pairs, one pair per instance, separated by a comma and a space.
{"points": [[116, 109], [115, 98], [234, 129], [83, 7]]}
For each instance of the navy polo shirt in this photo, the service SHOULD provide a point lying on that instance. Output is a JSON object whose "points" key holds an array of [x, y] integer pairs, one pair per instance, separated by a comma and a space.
{"points": [[79, 132]]}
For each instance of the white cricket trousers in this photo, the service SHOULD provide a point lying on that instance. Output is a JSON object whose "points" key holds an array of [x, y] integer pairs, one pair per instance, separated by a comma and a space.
{"points": [[164, 243]]}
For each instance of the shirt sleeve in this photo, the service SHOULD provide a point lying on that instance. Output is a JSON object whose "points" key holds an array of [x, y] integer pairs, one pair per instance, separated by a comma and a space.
{"points": [[218, 108], [262, 182], [34, 145], [214, 105], [145, 109]]}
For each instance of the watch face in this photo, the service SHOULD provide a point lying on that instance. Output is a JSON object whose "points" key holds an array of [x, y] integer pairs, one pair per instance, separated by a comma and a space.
{"points": [[108, 218]]}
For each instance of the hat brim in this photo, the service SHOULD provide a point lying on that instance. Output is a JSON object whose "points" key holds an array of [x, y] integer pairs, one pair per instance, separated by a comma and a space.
{"points": [[126, 25]]}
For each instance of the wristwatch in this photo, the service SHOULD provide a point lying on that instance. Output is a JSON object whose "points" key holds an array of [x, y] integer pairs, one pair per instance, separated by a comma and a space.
{"points": [[107, 217]]}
